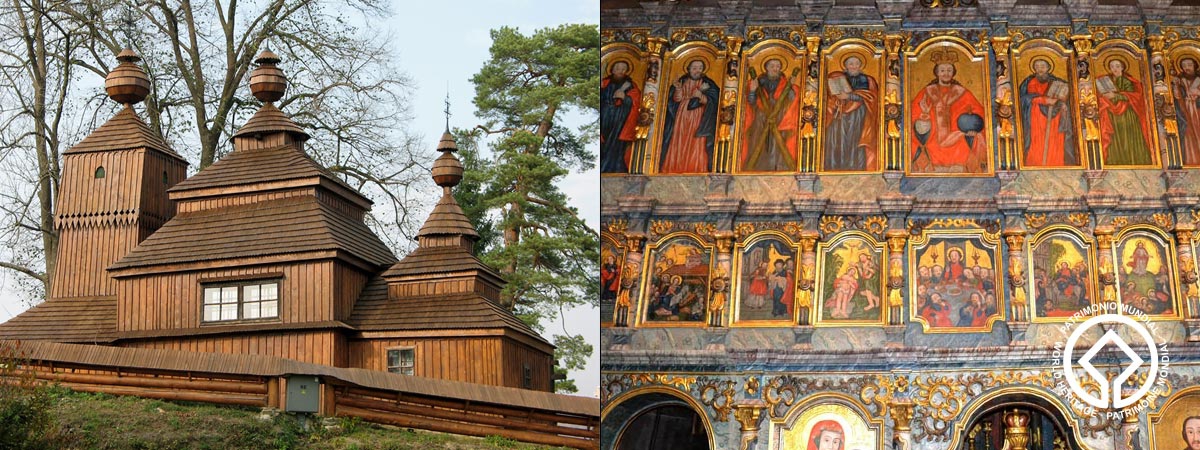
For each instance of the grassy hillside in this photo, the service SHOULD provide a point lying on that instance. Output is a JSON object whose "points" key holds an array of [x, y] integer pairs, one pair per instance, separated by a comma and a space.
{"points": [[99, 421]]}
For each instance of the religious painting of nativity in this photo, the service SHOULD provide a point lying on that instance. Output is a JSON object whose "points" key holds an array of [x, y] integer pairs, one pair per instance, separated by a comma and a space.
{"points": [[955, 285], [678, 282]]}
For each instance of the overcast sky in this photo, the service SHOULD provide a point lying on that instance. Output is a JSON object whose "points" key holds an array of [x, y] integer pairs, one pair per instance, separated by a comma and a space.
{"points": [[440, 45]]}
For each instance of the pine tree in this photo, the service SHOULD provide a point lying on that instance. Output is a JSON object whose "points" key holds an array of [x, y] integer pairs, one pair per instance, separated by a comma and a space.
{"points": [[538, 242]]}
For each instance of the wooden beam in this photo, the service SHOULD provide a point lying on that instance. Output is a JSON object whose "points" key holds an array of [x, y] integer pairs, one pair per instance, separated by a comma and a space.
{"points": [[465, 429]]}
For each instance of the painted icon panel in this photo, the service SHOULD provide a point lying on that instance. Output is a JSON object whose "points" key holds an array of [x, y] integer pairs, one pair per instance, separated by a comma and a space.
{"points": [[850, 288], [955, 285], [677, 287], [1047, 137], [770, 137], [850, 141], [620, 103], [767, 282], [689, 122], [827, 426], [1177, 424], [948, 112], [1123, 108], [1144, 274], [1185, 88], [612, 275], [1062, 276]]}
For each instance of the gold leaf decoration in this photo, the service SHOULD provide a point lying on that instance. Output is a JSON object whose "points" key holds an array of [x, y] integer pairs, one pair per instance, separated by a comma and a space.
{"points": [[1163, 220], [832, 224], [1079, 219], [618, 226], [705, 229], [661, 227], [743, 229], [1035, 221]]}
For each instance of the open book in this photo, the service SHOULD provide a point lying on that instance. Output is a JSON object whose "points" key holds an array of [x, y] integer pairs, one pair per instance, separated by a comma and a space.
{"points": [[839, 85], [1105, 85], [1058, 90]]}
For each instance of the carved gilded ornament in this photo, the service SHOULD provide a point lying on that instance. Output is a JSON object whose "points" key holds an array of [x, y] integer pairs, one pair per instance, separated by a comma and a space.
{"points": [[1079, 219], [1162, 219], [902, 414], [724, 242], [718, 395], [705, 229], [618, 226], [743, 229], [661, 227], [1119, 222], [792, 229], [635, 242], [752, 387], [875, 224], [832, 224], [1035, 221]]}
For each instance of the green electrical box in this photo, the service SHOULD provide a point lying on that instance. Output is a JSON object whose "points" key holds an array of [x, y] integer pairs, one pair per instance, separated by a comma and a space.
{"points": [[303, 393]]}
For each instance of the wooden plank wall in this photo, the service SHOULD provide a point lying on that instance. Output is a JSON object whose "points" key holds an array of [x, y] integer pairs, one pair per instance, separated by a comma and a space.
{"points": [[348, 284], [473, 359], [318, 347], [518, 355], [173, 300], [84, 253], [241, 199], [155, 201]]}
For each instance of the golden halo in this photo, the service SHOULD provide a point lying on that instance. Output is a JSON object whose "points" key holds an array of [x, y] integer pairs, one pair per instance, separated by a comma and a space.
{"points": [[861, 57], [621, 59], [1047, 59], [783, 65], [1179, 61], [1124, 61], [690, 61]]}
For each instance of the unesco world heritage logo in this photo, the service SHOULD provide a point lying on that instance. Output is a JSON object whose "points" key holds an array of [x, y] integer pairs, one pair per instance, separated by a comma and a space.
{"points": [[1137, 364]]}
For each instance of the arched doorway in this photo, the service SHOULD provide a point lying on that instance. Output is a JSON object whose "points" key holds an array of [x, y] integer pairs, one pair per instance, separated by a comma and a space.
{"points": [[654, 421], [1018, 417]]}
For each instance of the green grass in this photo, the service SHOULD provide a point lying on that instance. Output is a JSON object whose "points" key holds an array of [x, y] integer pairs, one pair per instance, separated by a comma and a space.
{"points": [[100, 421]]}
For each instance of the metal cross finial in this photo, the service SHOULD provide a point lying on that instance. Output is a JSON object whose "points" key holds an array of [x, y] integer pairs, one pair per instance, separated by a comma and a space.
{"points": [[127, 26], [447, 110]]}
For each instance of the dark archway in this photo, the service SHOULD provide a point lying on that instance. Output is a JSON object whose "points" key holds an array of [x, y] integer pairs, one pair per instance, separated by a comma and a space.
{"points": [[654, 421], [985, 430]]}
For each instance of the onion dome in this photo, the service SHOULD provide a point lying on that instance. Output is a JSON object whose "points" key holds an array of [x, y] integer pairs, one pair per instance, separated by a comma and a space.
{"points": [[127, 84], [267, 82], [447, 170]]}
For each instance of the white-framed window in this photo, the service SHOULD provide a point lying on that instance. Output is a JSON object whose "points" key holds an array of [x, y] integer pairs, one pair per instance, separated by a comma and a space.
{"points": [[401, 360], [241, 301]]}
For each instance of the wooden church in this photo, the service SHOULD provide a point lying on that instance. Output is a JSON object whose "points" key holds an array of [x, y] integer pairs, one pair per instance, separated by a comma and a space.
{"points": [[266, 253]]}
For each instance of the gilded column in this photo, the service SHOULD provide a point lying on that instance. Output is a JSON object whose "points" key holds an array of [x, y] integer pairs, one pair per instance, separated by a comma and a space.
{"points": [[1006, 143], [654, 59], [807, 278], [902, 412], [1089, 109], [748, 415], [1016, 274], [719, 285], [1164, 103], [631, 273], [894, 151], [1108, 274], [896, 240], [1187, 269], [808, 110], [729, 96]]}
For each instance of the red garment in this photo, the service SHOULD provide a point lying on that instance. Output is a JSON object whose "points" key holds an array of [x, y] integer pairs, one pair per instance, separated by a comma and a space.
{"points": [[954, 270], [608, 278], [1040, 142], [830, 426], [688, 153], [789, 293], [629, 128], [758, 282], [788, 118], [1137, 102], [946, 146]]}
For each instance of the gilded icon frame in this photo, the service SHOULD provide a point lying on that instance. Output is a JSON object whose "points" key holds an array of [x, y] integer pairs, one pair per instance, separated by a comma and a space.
{"points": [[675, 63], [1099, 68], [838, 53], [1168, 247], [824, 247], [985, 241], [756, 58], [1089, 257], [647, 271], [979, 76], [1023, 57]]}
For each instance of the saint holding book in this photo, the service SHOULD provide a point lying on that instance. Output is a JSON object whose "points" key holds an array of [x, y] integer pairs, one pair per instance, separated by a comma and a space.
{"points": [[1048, 137], [851, 113], [1123, 129]]}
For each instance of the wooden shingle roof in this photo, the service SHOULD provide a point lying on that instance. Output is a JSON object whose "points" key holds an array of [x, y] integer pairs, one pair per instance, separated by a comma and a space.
{"points": [[375, 312], [285, 162], [447, 218], [283, 226], [429, 260], [269, 119], [123, 131], [81, 320]]}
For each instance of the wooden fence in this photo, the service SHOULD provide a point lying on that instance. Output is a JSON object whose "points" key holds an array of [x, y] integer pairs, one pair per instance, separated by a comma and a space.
{"points": [[248, 380]]}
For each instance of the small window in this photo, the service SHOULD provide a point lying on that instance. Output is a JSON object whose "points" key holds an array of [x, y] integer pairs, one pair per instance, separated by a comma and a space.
{"points": [[241, 302], [100, 172], [528, 381], [401, 361]]}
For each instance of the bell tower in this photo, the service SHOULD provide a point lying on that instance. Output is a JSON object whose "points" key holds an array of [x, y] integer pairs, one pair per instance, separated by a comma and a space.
{"points": [[113, 192]]}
